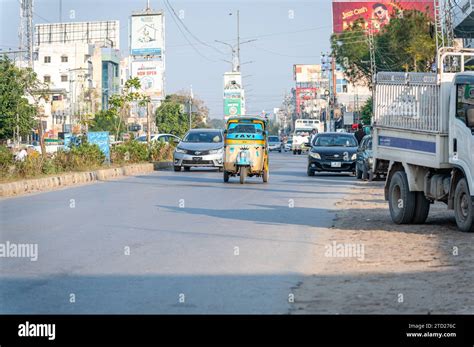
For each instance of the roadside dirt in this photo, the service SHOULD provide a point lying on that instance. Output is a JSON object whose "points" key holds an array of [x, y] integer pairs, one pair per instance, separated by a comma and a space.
{"points": [[367, 264]]}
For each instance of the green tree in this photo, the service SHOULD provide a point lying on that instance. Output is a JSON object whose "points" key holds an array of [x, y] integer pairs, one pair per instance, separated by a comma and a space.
{"points": [[216, 123], [403, 45], [106, 120], [16, 84], [172, 116], [366, 112], [120, 103]]}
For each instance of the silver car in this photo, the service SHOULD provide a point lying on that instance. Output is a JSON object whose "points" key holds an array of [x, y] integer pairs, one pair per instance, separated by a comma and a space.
{"points": [[200, 148], [274, 144]]}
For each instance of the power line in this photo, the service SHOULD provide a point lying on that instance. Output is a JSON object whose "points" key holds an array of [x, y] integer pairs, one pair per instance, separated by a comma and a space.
{"points": [[186, 38], [189, 31]]}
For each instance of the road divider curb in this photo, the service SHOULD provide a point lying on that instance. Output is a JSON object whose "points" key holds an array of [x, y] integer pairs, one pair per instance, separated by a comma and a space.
{"points": [[71, 179], [163, 165]]}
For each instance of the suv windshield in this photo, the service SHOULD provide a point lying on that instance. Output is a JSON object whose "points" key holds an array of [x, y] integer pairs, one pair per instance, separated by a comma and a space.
{"points": [[205, 136], [334, 141]]}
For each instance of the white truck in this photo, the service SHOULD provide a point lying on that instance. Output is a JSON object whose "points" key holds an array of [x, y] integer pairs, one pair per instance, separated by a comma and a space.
{"points": [[424, 138], [302, 133]]}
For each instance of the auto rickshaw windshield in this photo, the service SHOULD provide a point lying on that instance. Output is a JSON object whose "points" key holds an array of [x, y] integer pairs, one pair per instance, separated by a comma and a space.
{"points": [[250, 128]]}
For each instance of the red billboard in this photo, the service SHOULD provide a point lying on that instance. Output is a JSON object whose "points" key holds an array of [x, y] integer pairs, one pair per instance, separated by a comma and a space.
{"points": [[304, 95], [376, 14]]}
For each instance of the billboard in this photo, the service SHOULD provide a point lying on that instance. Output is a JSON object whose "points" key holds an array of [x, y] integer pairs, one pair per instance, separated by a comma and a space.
{"points": [[232, 107], [101, 139], [147, 35], [375, 14], [304, 73], [305, 98], [233, 94], [150, 73]]}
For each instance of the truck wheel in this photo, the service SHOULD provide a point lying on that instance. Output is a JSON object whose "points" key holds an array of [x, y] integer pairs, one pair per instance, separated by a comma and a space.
{"points": [[177, 168], [299, 151], [358, 173], [243, 172], [422, 208], [400, 200], [226, 177], [294, 151], [463, 209]]}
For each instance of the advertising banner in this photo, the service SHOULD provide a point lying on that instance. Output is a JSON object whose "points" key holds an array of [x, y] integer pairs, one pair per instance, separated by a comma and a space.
{"points": [[303, 95], [150, 74], [232, 107], [375, 14], [147, 34], [304, 73], [101, 139]]}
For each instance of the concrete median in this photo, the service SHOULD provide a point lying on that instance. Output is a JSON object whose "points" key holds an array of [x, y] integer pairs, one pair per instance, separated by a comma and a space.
{"points": [[71, 179]]}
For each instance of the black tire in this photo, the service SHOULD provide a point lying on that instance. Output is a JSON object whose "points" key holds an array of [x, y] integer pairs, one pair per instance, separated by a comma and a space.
{"points": [[294, 151], [422, 208], [177, 168], [299, 151], [309, 172], [226, 177], [243, 173], [463, 209], [265, 176], [187, 168], [400, 200], [279, 150], [358, 173]]}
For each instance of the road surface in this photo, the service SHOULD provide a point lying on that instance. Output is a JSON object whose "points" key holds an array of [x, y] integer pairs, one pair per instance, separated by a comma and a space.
{"points": [[169, 242]]}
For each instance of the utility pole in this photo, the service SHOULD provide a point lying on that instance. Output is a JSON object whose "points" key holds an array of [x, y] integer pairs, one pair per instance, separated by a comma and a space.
{"points": [[148, 122], [238, 41], [190, 108], [26, 31]]}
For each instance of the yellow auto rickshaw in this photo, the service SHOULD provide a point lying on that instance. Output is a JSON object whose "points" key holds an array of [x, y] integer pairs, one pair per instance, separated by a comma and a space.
{"points": [[246, 148]]}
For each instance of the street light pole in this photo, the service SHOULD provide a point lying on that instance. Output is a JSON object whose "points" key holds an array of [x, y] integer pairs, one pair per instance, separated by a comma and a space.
{"points": [[190, 108]]}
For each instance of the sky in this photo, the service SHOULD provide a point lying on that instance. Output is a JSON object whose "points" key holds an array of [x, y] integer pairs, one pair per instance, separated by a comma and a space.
{"points": [[286, 33]]}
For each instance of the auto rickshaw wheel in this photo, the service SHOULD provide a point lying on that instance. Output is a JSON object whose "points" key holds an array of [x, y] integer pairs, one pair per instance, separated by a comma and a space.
{"points": [[299, 151], [226, 177], [265, 176], [243, 173]]}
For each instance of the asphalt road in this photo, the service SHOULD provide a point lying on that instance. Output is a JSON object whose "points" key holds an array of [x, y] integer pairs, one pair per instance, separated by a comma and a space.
{"points": [[169, 242]]}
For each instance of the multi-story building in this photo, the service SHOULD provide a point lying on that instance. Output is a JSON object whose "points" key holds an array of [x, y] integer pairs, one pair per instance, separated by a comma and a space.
{"points": [[79, 62], [463, 21]]}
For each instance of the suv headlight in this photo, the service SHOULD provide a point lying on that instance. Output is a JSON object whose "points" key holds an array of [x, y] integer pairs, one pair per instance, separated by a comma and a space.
{"points": [[180, 150], [216, 151], [354, 156], [315, 155]]}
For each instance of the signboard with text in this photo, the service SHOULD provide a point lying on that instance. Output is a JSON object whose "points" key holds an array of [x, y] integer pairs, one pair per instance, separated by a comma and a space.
{"points": [[373, 14], [147, 36]]}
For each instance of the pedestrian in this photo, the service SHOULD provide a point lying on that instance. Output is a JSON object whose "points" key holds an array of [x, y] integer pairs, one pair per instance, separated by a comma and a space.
{"points": [[313, 135], [360, 133], [21, 155]]}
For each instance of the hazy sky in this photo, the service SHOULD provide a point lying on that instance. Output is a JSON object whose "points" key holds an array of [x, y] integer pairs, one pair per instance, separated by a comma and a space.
{"points": [[287, 33]]}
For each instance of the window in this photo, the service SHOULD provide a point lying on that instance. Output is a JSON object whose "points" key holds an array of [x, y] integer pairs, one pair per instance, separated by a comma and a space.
{"points": [[47, 59], [465, 104], [64, 59], [63, 78], [47, 79]]}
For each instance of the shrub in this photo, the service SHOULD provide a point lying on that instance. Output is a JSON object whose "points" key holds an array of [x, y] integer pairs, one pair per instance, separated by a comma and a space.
{"points": [[6, 159], [130, 152], [159, 151], [85, 156]]}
